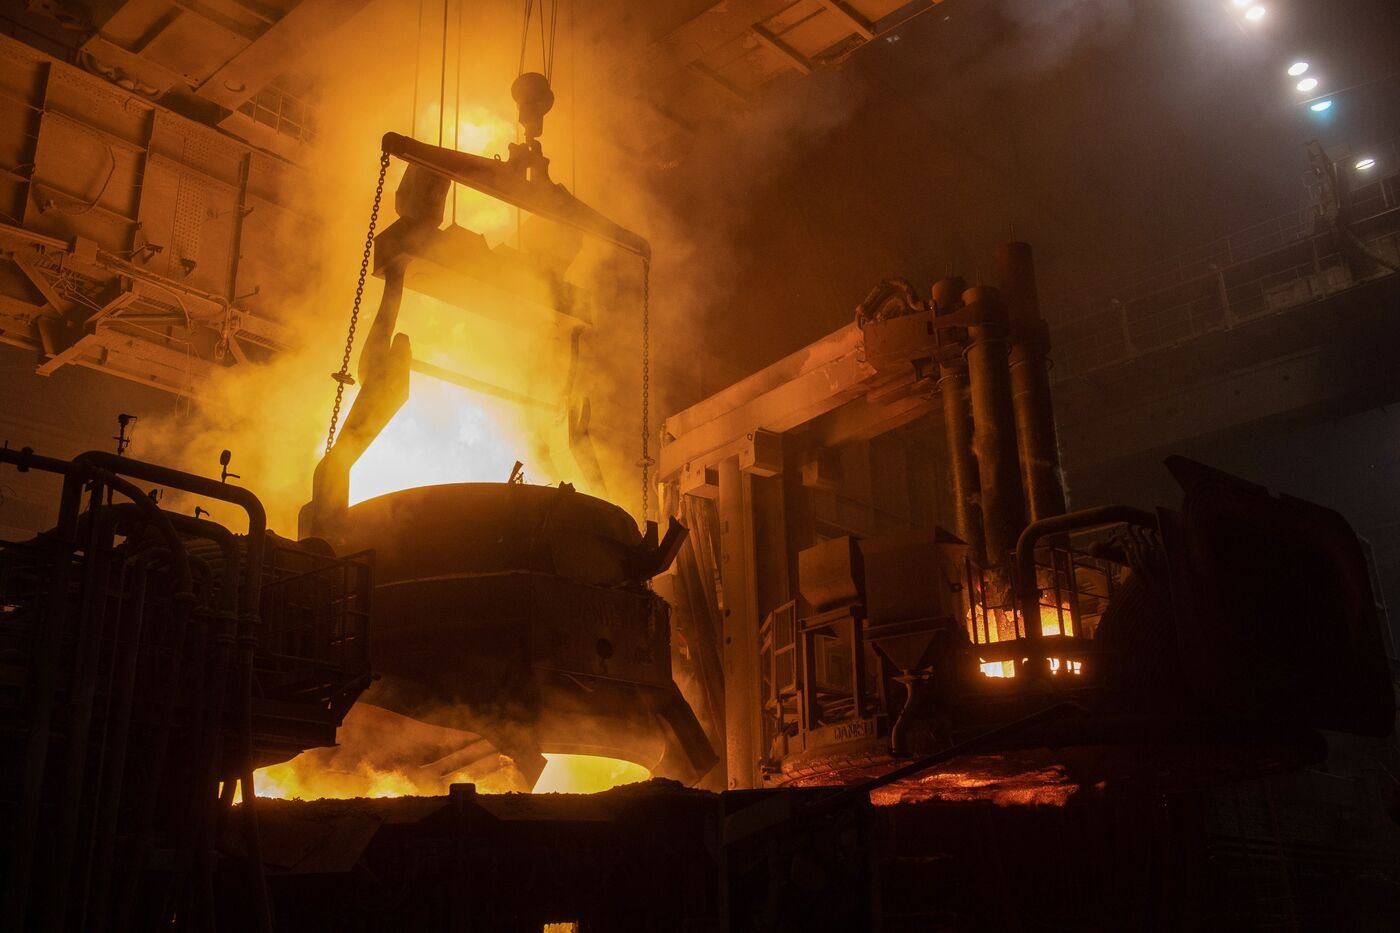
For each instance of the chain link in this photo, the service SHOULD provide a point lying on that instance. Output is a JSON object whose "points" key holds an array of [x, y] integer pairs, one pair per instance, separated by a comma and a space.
{"points": [[343, 378], [646, 462]]}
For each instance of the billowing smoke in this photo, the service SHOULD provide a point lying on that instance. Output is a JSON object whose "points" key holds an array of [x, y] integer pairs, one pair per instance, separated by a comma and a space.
{"points": [[692, 208], [1016, 39]]}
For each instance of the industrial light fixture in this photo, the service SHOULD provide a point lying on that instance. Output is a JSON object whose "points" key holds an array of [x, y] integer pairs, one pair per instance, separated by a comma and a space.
{"points": [[1363, 164], [1255, 13], [1321, 105], [1241, 3], [1297, 68], [1307, 84]]}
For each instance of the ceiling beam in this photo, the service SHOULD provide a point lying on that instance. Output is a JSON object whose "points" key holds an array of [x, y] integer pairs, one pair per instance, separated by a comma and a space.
{"points": [[774, 42], [276, 51], [858, 24]]}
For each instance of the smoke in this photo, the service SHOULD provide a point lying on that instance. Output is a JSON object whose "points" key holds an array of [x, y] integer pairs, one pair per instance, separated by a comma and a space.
{"points": [[601, 140], [383, 754], [1011, 40], [274, 417], [1044, 33], [692, 194]]}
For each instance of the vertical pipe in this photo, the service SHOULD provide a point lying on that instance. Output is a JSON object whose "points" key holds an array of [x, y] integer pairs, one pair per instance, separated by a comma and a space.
{"points": [[249, 600], [994, 425], [108, 802], [957, 424], [1036, 442], [14, 906]]}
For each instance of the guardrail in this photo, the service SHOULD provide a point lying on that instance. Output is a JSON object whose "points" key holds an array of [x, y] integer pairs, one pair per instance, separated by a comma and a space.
{"points": [[1269, 267]]}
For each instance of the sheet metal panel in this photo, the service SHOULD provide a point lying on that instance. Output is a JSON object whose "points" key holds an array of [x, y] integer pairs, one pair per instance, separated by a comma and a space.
{"points": [[114, 174]]}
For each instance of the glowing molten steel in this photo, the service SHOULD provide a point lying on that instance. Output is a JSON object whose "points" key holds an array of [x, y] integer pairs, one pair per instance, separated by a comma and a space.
{"points": [[446, 433], [383, 754], [519, 371], [587, 774]]}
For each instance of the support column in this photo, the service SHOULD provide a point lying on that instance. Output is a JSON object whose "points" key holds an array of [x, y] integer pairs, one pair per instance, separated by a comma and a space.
{"points": [[742, 702]]}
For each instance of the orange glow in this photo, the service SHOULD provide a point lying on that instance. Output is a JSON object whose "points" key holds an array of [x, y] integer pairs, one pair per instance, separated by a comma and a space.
{"points": [[1006, 627], [516, 355], [587, 774], [443, 434], [480, 131], [447, 433], [1045, 786], [998, 668], [383, 754]]}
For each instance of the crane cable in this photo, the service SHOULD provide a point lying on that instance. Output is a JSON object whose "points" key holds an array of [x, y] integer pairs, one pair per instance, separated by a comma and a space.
{"points": [[549, 30]]}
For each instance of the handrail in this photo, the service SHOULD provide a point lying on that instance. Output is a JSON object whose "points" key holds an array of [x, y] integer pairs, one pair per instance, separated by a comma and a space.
{"points": [[1028, 590]]}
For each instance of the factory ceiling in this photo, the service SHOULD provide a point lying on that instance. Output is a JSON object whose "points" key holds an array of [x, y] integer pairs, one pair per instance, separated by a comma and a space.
{"points": [[1078, 124]]}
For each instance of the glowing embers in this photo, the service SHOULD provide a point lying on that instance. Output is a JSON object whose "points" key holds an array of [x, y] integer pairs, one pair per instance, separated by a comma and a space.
{"points": [[587, 774], [1024, 777], [982, 779]]}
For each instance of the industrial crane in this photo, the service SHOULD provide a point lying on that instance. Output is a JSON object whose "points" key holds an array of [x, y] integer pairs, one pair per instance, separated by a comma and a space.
{"points": [[521, 180]]}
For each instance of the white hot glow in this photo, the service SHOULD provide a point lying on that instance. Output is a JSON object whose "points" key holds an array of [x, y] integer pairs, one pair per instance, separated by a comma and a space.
{"points": [[1307, 84], [1297, 68]]}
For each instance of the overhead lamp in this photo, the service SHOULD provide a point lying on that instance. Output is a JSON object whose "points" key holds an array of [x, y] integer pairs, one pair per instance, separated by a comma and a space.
{"points": [[1297, 68], [1307, 84], [1320, 106], [1363, 164], [1241, 3], [1255, 13]]}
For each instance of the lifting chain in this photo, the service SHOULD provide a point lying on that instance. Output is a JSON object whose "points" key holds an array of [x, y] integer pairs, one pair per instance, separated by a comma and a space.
{"points": [[646, 462], [343, 378]]}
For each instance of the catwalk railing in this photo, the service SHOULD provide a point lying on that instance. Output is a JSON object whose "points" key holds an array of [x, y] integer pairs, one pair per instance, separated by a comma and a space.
{"points": [[1284, 262]]}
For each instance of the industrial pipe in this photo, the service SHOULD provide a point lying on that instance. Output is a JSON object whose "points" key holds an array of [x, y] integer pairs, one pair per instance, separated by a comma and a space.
{"points": [[36, 750], [994, 424], [957, 425], [250, 591], [1028, 587], [249, 599], [103, 522], [202, 805], [107, 519], [1036, 443], [108, 802]]}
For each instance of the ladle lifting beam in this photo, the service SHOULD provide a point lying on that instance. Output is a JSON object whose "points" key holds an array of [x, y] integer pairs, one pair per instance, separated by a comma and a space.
{"points": [[522, 180]]}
